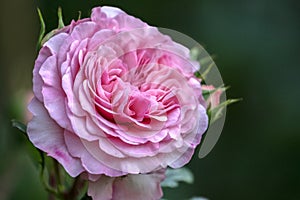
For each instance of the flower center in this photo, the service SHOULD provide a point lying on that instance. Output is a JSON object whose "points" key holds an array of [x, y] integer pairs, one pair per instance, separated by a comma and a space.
{"points": [[139, 105]]}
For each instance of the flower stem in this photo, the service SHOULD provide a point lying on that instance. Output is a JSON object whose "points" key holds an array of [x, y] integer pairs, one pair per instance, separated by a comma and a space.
{"points": [[52, 184], [76, 189], [58, 177]]}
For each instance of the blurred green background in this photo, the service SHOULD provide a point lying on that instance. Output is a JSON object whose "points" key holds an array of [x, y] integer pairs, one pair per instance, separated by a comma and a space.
{"points": [[257, 46]]}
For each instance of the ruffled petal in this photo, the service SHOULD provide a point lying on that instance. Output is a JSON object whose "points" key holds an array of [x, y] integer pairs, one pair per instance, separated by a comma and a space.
{"points": [[53, 95], [91, 164], [46, 135], [130, 187], [101, 189], [140, 186], [44, 53]]}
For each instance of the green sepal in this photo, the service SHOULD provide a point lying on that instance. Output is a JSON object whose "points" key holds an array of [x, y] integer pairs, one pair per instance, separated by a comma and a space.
{"points": [[60, 18], [79, 15], [204, 74], [42, 38], [206, 62], [42, 30], [217, 112]]}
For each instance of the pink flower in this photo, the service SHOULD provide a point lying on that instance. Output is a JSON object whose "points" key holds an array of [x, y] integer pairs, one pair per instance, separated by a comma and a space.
{"points": [[114, 96]]}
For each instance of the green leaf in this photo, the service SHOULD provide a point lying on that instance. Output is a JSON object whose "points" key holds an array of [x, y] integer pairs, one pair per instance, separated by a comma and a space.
{"points": [[45, 38], [42, 30], [19, 125], [174, 176]]}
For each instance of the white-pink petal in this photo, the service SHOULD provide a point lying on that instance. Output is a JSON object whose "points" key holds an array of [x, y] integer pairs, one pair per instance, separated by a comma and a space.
{"points": [[129, 187], [46, 135]]}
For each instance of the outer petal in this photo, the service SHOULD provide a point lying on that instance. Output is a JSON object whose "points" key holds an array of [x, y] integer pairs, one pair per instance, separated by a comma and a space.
{"points": [[54, 97], [130, 187], [46, 135], [101, 189], [192, 140], [49, 76], [44, 53], [109, 11], [141, 186], [91, 164]]}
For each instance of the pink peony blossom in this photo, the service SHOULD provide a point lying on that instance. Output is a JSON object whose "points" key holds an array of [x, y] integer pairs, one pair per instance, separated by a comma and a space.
{"points": [[114, 96]]}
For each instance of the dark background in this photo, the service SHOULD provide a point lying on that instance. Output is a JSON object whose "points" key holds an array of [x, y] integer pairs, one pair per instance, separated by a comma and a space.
{"points": [[256, 44]]}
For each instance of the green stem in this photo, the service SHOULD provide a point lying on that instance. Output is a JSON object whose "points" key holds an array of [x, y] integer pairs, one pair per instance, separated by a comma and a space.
{"points": [[52, 184], [78, 185], [57, 175]]}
